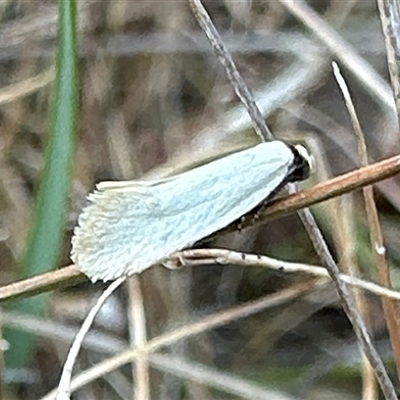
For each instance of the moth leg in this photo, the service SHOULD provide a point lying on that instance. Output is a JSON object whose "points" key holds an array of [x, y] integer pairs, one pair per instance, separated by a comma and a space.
{"points": [[174, 261]]}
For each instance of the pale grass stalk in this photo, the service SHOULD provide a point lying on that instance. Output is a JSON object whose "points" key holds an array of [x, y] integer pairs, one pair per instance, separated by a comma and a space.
{"points": [[138, 336], [349, 264], [28, 86], [63, 391], [61, 332]]}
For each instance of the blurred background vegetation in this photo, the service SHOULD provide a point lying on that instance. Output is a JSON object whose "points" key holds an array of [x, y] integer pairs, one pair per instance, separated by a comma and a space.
{"points": [[154, 100]]}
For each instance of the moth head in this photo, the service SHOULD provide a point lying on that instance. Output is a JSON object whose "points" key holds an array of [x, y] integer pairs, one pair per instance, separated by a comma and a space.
{"points": [[303, 163]]}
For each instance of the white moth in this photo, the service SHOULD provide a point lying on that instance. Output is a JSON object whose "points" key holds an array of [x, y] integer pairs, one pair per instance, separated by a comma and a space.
{"points": [[132, 225]]}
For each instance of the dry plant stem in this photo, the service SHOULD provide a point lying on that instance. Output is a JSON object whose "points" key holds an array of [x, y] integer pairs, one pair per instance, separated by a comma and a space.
{"points": [[63, 277], [390, 19], [190, 330], [138, 334], [64, 387], [348, 305], [199, 257], [378, 247], [369, 383], [17, 90], [233, 74], [343, 51], [62, 332], [348, 263], [337, 186]]}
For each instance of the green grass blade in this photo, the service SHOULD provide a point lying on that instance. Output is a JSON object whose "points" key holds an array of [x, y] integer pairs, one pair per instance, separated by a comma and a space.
{"points": [[47, 230]]}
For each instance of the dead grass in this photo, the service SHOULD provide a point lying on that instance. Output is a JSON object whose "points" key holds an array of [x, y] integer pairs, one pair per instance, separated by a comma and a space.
{"points": [[154, 100]]}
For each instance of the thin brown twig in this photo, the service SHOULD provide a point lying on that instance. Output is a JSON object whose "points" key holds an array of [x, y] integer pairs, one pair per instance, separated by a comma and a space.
{"points": [[233, 74], [378, 247], [63, 277]]}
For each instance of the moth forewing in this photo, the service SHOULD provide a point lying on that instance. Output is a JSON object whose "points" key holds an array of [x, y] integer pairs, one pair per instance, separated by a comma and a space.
{"points": [[130, 226], [133, 185]]}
